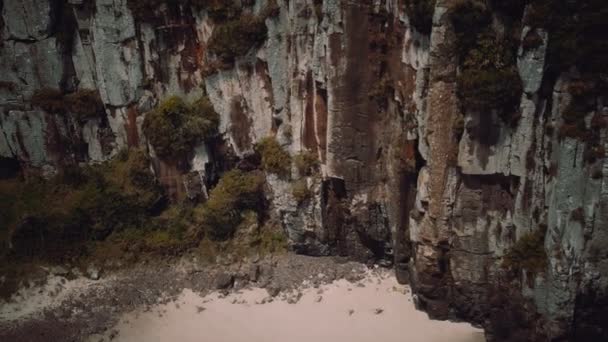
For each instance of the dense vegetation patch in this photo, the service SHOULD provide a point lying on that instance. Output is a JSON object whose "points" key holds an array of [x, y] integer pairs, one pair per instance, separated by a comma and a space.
{"points": [[274, 158], [576, 33], [55, 218], [175, 127], [300, 190], [236, 37], [83, 104], [488, 78], [236, 192], [528, 253], [420, 13], [306, 163]]}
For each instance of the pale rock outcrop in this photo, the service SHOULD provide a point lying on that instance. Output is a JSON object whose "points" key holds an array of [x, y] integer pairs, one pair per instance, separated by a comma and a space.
{"points": [[376, 101]]}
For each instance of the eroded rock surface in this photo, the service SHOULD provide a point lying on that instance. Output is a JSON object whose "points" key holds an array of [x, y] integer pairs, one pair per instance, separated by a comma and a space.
{"points": [[407, 174]]}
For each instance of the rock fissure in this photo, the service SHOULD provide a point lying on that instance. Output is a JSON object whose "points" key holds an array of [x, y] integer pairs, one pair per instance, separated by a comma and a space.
{"points": [[410, 163]]}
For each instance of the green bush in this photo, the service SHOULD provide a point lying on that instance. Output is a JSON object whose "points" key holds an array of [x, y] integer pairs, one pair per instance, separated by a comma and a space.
{"points": [[236, 192], [236, 37], [175, 127], [84, 104], [272, 241], [469, 19], [300, 190], [528, 253], [485, 89], [39, 217], [318, 9], [307, 163], [420, 13], [274, 158], [576, 33], [220, 10], [488, 78]]}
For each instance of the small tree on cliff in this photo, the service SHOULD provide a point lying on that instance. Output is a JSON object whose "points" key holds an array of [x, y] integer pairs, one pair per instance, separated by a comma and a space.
{"points": [[175, 127]]}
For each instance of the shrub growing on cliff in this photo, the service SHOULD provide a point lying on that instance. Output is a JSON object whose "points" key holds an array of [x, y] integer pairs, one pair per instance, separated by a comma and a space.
{"points": [[175, 127], [55, 218], [420, 13], [482, 90], [307, 163], [528, 253], [300, 190], [83, 104], [236, 37], [488, 78], [219, 10], [274, 158], [236, 192]]}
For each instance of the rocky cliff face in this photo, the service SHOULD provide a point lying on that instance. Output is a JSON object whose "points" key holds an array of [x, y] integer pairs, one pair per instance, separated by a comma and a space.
{"points": [[498, 211]]}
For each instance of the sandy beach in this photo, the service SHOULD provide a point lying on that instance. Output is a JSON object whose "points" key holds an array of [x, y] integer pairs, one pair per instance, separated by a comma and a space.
{"points": [[375, 308]]}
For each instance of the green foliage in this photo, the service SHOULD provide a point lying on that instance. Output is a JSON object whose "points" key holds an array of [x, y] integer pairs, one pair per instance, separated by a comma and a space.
{"points": [[55, 218], [318, 9], [420, 13], [236, 37], [528, 253], [175, 127], [83, 104], [272, 241], [274, 158], [220, 10], [484, 89], [300, 190], [307, 163], [469, 19], [488, 78], [236, 192], [576, 33]]}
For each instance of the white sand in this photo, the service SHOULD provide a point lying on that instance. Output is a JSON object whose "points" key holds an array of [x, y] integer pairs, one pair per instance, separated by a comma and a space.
{"points": [[342, 312]]}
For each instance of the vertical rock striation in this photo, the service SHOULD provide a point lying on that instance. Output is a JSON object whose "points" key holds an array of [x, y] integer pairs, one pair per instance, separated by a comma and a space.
{"points": [[408, 174]]}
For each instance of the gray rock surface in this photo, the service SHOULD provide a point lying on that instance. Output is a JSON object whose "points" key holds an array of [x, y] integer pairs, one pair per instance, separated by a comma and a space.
{"points": [[376, 102]]}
